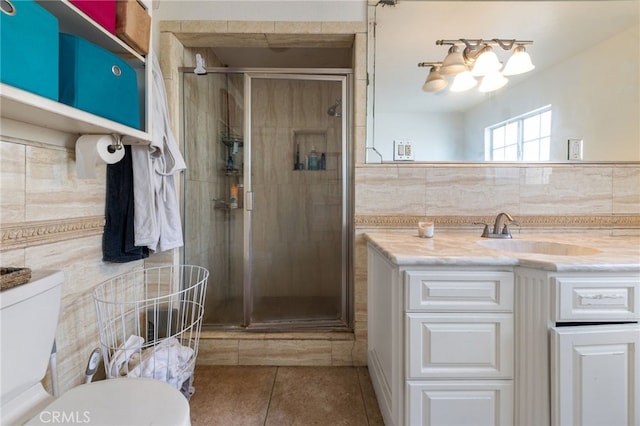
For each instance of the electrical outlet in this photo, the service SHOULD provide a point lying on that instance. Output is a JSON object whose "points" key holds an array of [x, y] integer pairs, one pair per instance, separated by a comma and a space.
{"points": [[402, 151], [575, 149]]}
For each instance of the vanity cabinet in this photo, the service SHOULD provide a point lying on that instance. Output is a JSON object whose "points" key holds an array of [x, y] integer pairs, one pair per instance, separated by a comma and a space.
{"points": [[441, 343], [592, 372], [587, 323]]}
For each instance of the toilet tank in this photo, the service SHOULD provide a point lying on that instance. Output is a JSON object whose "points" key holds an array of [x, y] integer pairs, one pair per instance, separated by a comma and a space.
{"points": [[28, 321]]}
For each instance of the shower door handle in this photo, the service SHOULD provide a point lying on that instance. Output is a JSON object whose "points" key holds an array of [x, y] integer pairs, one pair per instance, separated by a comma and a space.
{"points": [[248, 200]]}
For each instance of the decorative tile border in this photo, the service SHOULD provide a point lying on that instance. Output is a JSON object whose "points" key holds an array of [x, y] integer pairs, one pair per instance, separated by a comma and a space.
{"points": [[27, 234], [537, 222]]}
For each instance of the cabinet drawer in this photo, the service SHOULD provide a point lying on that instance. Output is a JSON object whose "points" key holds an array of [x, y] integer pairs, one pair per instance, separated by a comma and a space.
{"points": [[460, 346], [460, 403], [596, 298], [469, 291]]}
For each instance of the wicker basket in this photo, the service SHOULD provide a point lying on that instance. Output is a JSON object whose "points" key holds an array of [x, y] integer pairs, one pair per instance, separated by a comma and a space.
{"points": [[12, 277]]}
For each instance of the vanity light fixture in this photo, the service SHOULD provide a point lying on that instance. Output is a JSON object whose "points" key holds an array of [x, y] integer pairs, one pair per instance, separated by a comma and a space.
{"points": [[470, 59], [435, 81], [463, 82]]}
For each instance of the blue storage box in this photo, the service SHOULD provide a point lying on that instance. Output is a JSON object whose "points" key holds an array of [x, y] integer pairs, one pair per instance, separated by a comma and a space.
{"points": [[29, 48], [97, 81]]}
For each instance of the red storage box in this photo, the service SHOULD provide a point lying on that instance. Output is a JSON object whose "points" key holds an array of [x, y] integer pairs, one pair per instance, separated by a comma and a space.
{"points": [[102, 11]]}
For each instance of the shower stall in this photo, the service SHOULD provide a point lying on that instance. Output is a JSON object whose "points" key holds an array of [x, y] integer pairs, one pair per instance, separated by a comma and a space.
{"points": [[266, 202]]}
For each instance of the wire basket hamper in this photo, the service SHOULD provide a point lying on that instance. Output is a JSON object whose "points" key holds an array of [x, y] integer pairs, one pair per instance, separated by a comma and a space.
{"points": [[150, 321]]}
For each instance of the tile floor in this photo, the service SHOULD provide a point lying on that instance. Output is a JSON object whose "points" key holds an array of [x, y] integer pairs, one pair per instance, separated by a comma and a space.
{"points": [[281, 396]]}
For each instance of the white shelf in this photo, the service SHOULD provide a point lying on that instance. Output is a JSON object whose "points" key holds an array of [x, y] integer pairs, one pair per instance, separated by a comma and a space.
{"points": [[27, 107], [74, 21], [20, 105]]}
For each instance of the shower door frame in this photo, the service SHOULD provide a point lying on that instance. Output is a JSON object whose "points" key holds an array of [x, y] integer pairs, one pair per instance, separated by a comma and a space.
{"points": [[344, 76]]}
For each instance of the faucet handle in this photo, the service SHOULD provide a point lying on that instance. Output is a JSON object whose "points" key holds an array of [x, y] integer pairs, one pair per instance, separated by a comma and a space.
{"points": [[485, 232], [506, 230]]}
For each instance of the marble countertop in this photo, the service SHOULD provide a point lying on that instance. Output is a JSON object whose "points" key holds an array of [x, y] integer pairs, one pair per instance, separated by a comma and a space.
{"points": [[612, 253]]}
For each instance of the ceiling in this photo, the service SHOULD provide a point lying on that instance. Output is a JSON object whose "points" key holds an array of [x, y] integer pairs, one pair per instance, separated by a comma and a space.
{"points": [[406, 34], [276, 50]]}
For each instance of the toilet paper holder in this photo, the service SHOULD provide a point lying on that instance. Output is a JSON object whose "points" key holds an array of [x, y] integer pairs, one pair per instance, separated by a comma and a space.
{"points": [[94, 149], [117, 144]]}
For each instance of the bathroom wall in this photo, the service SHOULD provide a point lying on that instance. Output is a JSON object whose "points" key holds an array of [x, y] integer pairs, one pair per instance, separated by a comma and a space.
{"points": [[578, 196]]}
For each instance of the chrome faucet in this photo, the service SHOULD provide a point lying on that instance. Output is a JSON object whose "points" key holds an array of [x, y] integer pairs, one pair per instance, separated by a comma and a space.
{"points": [[499, 230]]}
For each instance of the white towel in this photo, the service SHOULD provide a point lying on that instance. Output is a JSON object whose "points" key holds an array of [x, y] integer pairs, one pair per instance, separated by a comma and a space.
{"points": [[157, 222], [168, 361], [121, 358]]}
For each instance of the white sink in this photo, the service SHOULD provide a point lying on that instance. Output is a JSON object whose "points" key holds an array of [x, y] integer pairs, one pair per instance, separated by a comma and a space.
{"points": [[539, 247]]}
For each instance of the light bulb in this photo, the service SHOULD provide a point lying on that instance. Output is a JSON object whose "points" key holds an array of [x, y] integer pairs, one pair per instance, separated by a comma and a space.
{"points": [[486, 62], [463, 82], [519, 62], [454, 62], [434, 82], [492, 81]]}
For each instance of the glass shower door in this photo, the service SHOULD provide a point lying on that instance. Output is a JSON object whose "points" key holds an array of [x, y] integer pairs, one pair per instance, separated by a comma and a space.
{"points": [[214, 226], [296, 209]]}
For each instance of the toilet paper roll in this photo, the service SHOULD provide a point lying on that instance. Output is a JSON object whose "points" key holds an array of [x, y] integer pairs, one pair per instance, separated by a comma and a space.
{"points": [[92, 150]]}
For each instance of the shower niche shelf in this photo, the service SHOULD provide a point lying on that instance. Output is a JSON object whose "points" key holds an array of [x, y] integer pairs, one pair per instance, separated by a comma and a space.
{"points": [[234, 172], [303, 142], [231, 141]]}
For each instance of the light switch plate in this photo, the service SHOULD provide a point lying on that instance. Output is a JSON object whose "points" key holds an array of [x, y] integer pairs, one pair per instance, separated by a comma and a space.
{"points": [[575, 149], [402, 151]]}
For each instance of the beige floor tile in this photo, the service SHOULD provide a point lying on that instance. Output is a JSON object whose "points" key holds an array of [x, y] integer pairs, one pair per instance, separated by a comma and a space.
{"points": [[374, 416], [316, 396], [280, 396], [231, 395]]}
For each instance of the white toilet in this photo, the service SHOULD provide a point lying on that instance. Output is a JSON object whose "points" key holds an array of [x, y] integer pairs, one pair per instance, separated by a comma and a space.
{"points": [[28, 319]]}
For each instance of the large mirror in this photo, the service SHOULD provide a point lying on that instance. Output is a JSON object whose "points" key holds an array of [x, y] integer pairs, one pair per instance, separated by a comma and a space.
{"points": [[586, 57]]}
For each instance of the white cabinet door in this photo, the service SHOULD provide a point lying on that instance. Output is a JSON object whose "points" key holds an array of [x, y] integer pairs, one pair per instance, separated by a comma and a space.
{"points": [[461, 345], [461, 403], [595, 375]]}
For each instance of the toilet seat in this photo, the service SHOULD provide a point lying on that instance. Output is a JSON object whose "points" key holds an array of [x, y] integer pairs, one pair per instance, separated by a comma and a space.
{"points": [[125, 401]]}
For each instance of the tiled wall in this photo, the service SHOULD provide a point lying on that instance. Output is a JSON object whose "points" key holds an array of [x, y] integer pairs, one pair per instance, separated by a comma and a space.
{"points": [[50, 219], [556, 190]]}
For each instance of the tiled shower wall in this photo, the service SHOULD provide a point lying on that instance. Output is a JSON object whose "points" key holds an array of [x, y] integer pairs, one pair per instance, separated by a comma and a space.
{"points": [[297, 216]]}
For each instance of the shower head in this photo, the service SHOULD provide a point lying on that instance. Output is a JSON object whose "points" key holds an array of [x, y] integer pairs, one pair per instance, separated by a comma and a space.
{"points": [[332, 111]]}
